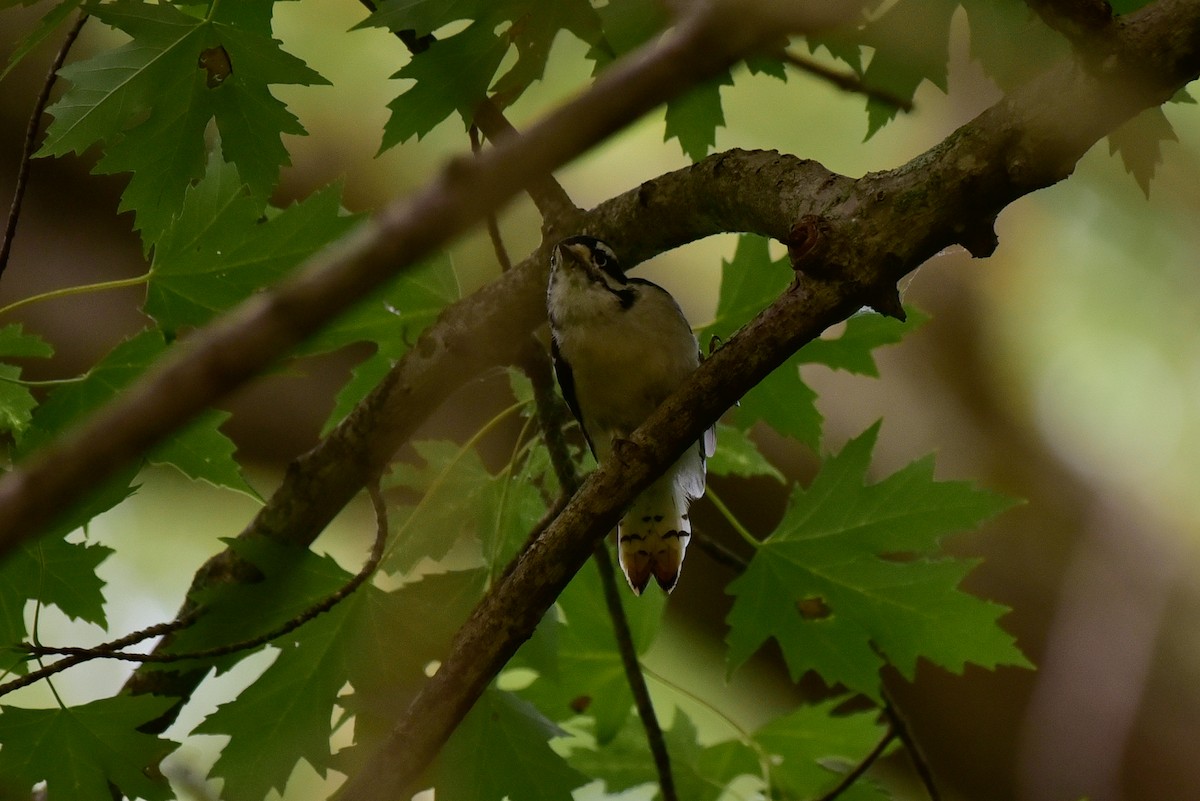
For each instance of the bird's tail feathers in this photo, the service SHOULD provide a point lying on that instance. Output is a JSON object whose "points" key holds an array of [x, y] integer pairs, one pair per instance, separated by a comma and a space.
{"points": [[653, 535]]}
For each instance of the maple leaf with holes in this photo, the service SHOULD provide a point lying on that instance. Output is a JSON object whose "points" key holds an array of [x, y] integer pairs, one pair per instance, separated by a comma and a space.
{"points": [[852, 577]]}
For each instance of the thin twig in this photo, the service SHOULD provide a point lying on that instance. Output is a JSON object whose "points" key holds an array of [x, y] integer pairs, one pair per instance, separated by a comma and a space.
{"points": [[919, 763], [633, 673], [493, 225], [550, 416], [718, 552], [112, 650], [31, 132], [861, 768], [846, 81], [105, 650]]}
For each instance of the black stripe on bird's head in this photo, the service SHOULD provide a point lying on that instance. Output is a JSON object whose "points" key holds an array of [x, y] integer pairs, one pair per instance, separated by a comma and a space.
{"points": [[593, 256]]}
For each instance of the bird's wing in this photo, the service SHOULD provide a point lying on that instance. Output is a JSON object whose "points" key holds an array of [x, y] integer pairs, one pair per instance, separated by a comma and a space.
{"points": [[566, 381]]}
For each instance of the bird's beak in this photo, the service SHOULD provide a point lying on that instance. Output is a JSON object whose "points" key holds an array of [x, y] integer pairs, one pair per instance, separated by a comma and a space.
{"points": [[579, 259], [576, 253]]}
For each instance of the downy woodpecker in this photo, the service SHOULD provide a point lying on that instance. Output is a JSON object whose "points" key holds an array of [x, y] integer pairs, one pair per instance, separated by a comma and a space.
{"points": [[620, 346]]}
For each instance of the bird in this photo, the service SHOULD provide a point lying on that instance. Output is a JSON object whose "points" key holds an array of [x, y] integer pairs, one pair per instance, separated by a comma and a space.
{"points": [[620, 346]]}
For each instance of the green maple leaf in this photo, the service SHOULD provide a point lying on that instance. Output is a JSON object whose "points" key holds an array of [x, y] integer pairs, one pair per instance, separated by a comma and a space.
{"points": [[627, 24], [585, 672], [226, 244], [451, 75], [459, 497], [54, 572], [700, 772], [80, 751], [1139, 141], [912, 44], [282, 717], [518, 505], [16, 401], [693, 118], [423, 17], [783, 401], [822, 587], [703, 772], [994, 29], [293, 580], [534, 28], [391, 318], [50, 22], [865, 331], [150, 101], [380, 642], [199, 451], [807, 746], [737, 455], [16, 344], [396, 637], [501, 749], [749, 283]]}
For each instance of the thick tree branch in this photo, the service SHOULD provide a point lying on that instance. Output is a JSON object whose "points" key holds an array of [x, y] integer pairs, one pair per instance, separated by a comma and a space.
{"points": [[240, 345], [868, 234]]}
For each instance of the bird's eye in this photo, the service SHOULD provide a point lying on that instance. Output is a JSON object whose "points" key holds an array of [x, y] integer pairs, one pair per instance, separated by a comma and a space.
{"points": [[601, 258]]}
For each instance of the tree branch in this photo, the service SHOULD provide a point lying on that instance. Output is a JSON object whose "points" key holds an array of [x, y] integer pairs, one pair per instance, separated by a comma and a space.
{"points": [[487, 328], [115, 650], [871, 232], [241, 344]]}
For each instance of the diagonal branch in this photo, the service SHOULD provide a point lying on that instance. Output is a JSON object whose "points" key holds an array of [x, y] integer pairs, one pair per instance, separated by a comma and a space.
{"points": [[871, 233], [241, 344]]}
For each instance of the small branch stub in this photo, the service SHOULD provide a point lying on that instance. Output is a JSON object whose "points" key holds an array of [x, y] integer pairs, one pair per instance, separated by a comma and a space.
{"points": [[806, 244]]}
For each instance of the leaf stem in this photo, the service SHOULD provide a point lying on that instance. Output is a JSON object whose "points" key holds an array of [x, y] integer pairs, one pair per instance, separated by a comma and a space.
{"points": [[520, 447], [725, 511], [49, 382], [916, 756], [861, 768], [101, 286]]}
